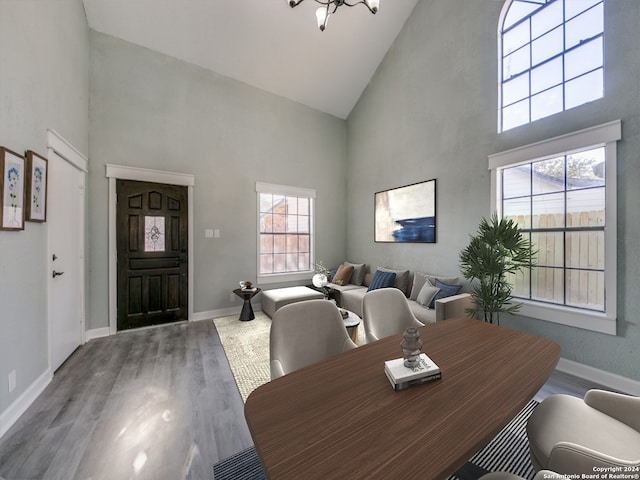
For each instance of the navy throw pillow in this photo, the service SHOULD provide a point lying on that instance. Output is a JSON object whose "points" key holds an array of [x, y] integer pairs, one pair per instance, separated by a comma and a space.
{"points": [[446, 290], [382, 280]]}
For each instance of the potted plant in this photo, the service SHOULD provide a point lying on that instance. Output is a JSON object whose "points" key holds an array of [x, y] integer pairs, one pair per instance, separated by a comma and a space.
{"points": [[499, 249], [321, 277]]}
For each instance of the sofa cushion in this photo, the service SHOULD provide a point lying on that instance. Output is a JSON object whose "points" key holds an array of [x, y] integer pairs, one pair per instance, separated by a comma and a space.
{"points": [[382, 279], [343, 275], [446, 290], [427, 294], [343, 288], [358, 272], [402, 279], [351, 299], [420, 278], [424, 314]]}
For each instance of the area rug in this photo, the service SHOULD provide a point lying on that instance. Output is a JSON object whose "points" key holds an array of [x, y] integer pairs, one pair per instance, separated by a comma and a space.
{"points": [[507, 452], [246, 345]]}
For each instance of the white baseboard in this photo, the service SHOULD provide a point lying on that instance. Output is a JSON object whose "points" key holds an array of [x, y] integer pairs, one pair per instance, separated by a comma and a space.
{"points": [[24, 401], [221, 312], [198, 316], [601, 377], [96, 333]]}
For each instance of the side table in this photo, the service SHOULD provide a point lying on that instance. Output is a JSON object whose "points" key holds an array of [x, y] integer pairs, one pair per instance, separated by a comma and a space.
{"points": [[351, 324], [247, 294], [330, 293]]}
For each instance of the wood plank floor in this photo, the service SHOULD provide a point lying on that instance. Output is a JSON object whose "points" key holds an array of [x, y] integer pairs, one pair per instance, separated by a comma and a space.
{"points": [[159, 404]]}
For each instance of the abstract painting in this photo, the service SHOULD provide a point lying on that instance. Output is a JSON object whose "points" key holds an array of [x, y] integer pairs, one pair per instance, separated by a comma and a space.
{"points": [[406, 214]]}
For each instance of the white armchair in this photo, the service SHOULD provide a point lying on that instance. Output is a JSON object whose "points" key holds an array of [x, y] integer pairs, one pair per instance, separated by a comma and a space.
{"points": [[572, 436], [386, 312], [304, 333]]}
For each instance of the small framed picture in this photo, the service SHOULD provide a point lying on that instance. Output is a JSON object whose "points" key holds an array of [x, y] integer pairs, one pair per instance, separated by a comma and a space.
{"points": [[12, 185], [36, 198]]}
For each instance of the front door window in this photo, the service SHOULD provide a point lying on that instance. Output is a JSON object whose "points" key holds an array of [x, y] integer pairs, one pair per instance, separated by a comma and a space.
{"points": [[153, 234]]}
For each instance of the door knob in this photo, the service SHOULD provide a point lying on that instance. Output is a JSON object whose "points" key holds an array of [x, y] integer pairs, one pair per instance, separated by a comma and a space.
{"points": [[56, 274]]}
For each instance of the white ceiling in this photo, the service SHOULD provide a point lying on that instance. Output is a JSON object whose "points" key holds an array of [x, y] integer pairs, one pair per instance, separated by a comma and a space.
{"points": [[264, 43]]}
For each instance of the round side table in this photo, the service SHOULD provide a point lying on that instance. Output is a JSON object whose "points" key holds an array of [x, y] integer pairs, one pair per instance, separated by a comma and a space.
{"points": [[247, 294], [351, 324]]}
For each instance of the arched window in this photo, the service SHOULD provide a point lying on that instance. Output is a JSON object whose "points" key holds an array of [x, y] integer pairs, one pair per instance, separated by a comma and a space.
{"points": [[551, 56]]}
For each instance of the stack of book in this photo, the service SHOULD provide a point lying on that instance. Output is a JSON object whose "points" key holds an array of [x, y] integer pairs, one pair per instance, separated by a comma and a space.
{"points": [[402, 377]]}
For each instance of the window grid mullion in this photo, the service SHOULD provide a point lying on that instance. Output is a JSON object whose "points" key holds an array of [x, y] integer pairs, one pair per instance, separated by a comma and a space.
{"points": [[530, 236], [565, 229], [515, 116], [289, 238], [564, 235]]}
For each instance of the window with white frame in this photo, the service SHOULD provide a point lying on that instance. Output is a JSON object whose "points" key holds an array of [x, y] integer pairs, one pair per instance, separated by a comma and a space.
{"points": [[285, 232], [561, 192], [551, 57]]}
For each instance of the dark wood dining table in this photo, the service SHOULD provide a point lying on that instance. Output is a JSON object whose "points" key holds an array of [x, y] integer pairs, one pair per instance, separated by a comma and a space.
{"points": [[341, 419]]}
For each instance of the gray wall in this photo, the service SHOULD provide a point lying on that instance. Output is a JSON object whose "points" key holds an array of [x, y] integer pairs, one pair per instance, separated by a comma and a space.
{"points": [[152, 111], [431, 112], [44, 83]]}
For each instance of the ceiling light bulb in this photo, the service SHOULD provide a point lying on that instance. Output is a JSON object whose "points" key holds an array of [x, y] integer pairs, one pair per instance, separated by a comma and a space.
{"points": [[322, 16], [373, 5]]}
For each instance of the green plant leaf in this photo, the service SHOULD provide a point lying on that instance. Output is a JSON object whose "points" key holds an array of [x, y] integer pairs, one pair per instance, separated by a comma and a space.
{"points": [[499, 249]]}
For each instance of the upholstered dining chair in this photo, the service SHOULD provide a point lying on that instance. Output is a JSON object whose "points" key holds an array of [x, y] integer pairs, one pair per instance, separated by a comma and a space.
{"points": [[573, 436], [386, 312], [303, 333]]}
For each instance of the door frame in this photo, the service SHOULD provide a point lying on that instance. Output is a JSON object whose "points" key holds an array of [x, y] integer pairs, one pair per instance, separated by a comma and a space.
{"points": [[57, 145], [121, 172]]}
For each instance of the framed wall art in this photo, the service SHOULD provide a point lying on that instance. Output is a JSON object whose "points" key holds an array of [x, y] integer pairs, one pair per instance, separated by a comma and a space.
{"points": [[406, 214], [12, 184], [36, 183]]}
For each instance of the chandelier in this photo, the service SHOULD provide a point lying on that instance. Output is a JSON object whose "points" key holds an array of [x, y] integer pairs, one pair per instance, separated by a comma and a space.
{"points": [[322, 13]]}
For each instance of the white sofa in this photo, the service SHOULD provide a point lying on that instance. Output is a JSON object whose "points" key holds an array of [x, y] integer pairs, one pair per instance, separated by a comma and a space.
{"points": [[351, 296]]}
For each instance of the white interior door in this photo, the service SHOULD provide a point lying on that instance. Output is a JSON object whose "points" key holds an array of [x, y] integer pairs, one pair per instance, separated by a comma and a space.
{"points": [[66, 258]]}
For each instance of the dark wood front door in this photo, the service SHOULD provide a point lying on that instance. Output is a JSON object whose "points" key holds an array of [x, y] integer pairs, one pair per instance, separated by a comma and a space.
{"points": [[152, 254]]}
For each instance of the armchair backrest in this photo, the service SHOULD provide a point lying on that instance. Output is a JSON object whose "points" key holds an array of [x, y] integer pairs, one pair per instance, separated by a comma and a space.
{"points": [[624, 408], [306, 332], [386, 312]]}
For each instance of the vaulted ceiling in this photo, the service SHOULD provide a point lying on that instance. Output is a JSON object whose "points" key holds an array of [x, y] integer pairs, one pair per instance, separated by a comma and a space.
{"points": [[264, 43]]}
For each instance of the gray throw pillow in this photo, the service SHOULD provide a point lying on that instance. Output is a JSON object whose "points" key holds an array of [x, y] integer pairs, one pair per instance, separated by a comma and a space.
{"points": [[420, 278], [449, 280], [402, 279], [358, 273], [427, 294]]}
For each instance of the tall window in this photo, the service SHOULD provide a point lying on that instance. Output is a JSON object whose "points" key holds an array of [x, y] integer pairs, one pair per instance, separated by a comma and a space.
{"points": [[551, 58], [285, 231], [561, 193], [560, 204]]}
